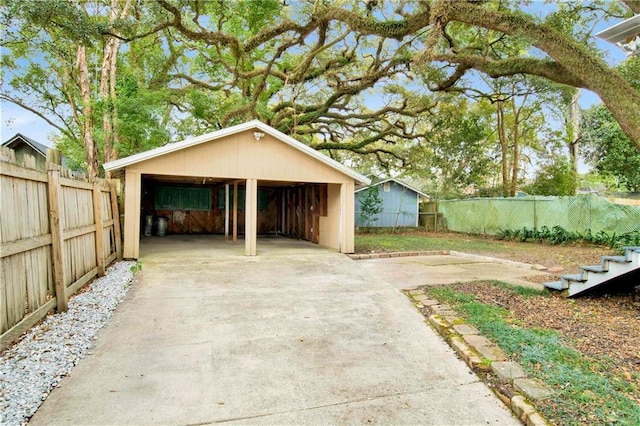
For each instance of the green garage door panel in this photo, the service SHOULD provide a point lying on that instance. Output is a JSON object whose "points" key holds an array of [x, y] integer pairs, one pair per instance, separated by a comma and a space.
{"points": [[182, 198]]}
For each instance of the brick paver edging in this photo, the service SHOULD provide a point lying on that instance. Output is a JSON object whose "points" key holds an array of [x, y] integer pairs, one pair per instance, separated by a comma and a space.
{"points": [[399, 254], [517, 391]]}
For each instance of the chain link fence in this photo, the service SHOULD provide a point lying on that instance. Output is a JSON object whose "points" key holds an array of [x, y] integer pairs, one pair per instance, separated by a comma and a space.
{"points": [[576, 214]]}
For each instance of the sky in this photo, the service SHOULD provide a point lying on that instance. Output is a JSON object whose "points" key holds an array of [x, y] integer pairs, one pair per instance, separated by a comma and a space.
{"points": [[17, 120]]}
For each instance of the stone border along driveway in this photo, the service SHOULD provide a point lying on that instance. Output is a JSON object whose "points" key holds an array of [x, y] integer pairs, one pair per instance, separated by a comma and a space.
{"points": [[481, 355]]}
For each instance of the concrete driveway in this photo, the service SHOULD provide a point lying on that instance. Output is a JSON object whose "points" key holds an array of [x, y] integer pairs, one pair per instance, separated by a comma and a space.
{"points": [[415, 271], [296, 335]]}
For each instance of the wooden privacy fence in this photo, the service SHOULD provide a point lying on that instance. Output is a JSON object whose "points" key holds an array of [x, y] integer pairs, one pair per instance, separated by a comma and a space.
{"points": [[56, 234]]}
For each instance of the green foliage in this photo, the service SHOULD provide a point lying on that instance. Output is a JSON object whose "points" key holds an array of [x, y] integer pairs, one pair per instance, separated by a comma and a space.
{"points": [[309, 69], [605, 145], [136, 267], [370, 204], [394, 242], [607, 148], [448, 295], [458, 145], [556, 178], [522, 291], [559, 235]]}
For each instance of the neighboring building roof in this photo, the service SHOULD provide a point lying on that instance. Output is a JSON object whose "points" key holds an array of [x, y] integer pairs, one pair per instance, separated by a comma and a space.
{"points": [[625, 34], [250, 125], [19, 138], [399, 182]]}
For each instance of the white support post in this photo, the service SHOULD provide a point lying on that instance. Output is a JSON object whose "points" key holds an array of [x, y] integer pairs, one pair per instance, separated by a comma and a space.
{"points": [[251, 217], [226, 212]]}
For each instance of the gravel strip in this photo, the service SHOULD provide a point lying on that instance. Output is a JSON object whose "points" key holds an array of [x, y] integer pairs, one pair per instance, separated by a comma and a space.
{"points": [[31, 368]]}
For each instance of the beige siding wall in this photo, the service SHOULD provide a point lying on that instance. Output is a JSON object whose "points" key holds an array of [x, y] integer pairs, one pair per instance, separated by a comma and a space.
{"points": [[347, 201], [330, 224], [132, 197], [241, 156]]}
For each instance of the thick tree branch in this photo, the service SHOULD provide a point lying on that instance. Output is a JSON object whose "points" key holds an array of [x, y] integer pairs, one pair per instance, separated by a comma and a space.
{"points": [[619, 96], [507, 67], [633, 5]]}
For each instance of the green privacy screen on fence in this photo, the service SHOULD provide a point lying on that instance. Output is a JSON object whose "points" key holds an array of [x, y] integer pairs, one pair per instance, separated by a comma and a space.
{"points": [[579, 213]]}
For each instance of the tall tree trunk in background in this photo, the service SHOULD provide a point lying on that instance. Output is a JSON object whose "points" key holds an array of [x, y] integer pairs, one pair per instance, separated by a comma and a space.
{"points": [[502, 138], [575, 134], [108, 93], [515, 160], [109, 127], [87, 112]]}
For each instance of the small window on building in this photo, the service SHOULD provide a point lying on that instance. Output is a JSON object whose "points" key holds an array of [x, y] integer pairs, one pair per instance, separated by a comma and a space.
{"points": [[386, 187]]}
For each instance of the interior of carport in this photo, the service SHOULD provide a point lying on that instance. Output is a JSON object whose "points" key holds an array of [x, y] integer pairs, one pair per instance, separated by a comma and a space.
{"points": [[194, 205]]}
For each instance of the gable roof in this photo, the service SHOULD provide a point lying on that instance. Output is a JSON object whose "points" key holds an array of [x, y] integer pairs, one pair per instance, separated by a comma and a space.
{"points": [[250, 125], [399, 182], [15, 140]]}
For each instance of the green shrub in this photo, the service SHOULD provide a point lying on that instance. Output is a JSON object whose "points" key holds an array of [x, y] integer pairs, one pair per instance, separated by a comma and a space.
{"points": [[559, 235]]}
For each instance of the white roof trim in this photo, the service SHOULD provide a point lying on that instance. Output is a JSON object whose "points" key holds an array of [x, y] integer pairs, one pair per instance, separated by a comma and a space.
{"points": [[620, 32], [396, 181], [254, 124]]}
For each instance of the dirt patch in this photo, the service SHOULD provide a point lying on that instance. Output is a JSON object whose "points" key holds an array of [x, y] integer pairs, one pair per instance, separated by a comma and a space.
{"points": [[607, 326]]}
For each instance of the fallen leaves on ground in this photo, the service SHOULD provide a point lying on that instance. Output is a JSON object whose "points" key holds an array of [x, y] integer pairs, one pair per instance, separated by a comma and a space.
{"points": [[600, 326]]}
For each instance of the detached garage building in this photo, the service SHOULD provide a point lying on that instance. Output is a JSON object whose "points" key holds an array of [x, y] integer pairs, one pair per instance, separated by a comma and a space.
{"points": [[250, 179]]}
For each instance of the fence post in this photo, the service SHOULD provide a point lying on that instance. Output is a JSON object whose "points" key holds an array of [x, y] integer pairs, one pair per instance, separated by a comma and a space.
{"points": [[116, 218], [97, 215], [53, 172]]}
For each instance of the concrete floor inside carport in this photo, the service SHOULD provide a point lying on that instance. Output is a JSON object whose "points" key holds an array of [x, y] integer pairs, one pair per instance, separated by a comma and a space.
{"points": [[217, 245], [297, 335]]}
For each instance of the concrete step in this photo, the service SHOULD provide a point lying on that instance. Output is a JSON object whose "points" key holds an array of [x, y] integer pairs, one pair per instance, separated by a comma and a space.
{"points": [[574, 277], [617, 259], [556, 285], [614, 269], [595, 268]]}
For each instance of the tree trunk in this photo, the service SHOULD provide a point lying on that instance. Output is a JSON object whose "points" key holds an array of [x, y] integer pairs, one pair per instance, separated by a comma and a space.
{"points": [[87, 112], [108, 86], [515, 161], [575, 135], [502, 138], [107, 100]]}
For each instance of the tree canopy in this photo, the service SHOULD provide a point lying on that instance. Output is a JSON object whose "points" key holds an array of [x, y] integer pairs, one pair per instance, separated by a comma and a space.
{"points": [[370, 78]]}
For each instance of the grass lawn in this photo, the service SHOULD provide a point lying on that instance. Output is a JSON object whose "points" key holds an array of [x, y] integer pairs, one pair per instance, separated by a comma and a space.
{"points": [[569, 256], [589, 389], [366, 243]]}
